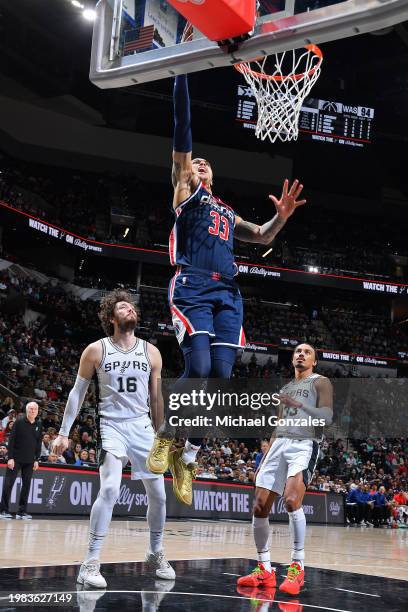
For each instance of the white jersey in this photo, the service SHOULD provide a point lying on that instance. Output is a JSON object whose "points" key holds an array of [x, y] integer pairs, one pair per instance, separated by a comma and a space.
{"points": [[123, 380], [304, 391]]}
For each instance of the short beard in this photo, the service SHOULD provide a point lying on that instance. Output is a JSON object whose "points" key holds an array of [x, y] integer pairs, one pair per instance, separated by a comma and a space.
{"points": [[126, 326], [300, 366]]}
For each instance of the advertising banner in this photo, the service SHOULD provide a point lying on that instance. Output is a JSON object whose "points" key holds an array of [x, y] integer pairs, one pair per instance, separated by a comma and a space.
{"points": [[73, 491], [161, 256]]}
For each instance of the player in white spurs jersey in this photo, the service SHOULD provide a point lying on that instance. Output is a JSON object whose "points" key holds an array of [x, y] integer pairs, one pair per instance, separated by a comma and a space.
{"points": [[130, 410], [288, 466]]}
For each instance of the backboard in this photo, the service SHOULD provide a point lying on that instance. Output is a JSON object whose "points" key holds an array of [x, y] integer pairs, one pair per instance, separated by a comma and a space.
{"points": [[136, 41]]}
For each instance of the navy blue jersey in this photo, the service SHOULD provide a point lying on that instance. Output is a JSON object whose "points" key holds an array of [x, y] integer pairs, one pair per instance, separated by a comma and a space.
{"points": [[203, 234]]}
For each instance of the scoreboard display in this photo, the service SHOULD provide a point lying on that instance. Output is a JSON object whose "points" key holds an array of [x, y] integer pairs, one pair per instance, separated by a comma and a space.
{"points": [[320, 120]]}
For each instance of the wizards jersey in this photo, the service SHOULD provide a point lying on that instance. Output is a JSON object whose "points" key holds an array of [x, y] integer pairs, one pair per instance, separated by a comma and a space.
{"points": [[203, 234]]}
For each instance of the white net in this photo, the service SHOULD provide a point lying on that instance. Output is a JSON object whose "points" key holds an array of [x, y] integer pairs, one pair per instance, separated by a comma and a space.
{"points": [[280, 92]]}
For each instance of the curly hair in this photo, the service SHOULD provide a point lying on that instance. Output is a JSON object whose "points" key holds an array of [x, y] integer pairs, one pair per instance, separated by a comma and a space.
{"points": [[107, 307]]}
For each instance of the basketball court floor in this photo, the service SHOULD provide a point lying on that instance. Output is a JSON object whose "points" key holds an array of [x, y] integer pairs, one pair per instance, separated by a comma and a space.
{"points": [[347, 569]]}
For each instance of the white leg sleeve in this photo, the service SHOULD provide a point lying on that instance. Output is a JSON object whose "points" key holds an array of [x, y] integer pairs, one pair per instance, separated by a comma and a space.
{"points": [[101, 514], [297, 528], [156, 512], [261, 531]]}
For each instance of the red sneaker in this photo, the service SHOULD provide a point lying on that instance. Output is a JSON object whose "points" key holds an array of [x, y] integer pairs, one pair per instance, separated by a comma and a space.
{"points": [[294, 580], [259, 577]]}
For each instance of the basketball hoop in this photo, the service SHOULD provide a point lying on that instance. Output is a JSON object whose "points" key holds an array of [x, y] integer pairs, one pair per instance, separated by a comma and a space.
{"points": [[280, 95]]}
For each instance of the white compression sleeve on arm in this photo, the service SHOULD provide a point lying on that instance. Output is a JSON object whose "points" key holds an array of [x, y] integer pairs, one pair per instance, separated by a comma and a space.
{"points": [[75, 400]]}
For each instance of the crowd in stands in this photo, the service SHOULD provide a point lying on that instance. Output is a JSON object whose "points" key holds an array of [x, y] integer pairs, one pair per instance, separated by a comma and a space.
{"points": [[370, 334], [87, 203], [269, 323], [53, 342]]}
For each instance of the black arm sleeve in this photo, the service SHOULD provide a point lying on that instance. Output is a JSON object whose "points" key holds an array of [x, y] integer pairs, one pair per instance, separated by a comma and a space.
{"points": [[182, 142]]}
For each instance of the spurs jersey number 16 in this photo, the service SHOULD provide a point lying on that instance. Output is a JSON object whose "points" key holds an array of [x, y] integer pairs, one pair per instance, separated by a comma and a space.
{"points": [[123, 381], [203, 234]]}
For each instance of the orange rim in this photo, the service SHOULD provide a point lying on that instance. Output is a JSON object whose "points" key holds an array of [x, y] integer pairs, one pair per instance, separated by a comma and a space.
{"points": [[245, 68]]}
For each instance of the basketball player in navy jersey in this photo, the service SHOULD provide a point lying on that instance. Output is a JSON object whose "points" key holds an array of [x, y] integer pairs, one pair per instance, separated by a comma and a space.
{"points": [[130, 409], [205, 301], [288, 466]]}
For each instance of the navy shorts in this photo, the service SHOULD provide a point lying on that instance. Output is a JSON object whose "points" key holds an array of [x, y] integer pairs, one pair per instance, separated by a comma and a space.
{"points": [[205, 303]]}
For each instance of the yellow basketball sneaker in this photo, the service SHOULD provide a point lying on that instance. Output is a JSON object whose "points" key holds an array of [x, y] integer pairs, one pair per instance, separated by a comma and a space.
{"points": [[157, 460], [183, 476]]}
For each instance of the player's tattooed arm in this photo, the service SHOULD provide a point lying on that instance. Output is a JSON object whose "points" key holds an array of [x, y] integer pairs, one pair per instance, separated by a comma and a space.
{"points": [[175, 173], [261, 234], [324, 409], [183, 177], [156, 403], [285, 207], [325, 398]]}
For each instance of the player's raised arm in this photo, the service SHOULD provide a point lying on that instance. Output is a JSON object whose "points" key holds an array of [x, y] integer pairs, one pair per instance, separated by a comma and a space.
{"points": [[285, 207], [183, 177], [156, 398], [90, 359]]}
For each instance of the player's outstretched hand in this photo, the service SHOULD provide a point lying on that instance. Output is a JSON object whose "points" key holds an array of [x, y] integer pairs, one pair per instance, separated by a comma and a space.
{"points": [[286, 206], [289, 401], [60, 445]]}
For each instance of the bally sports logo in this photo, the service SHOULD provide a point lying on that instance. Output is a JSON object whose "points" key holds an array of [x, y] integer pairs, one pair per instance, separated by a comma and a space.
{"points": [[334, 508], [278, 507]]}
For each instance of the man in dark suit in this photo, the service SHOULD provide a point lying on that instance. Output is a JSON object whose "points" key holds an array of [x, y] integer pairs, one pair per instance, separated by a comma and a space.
{"points": [[24, 449]]}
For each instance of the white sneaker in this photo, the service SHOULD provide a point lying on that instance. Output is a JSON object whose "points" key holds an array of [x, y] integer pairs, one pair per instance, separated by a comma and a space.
{"points": [[89, 575], [5, 515], [23, 516], [159, 562]]}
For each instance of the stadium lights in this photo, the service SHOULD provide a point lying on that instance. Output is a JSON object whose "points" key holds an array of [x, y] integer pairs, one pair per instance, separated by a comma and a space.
{"points": [[89, 14], [126, 232], [77, 4], [267, 252], [313, 269]]}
